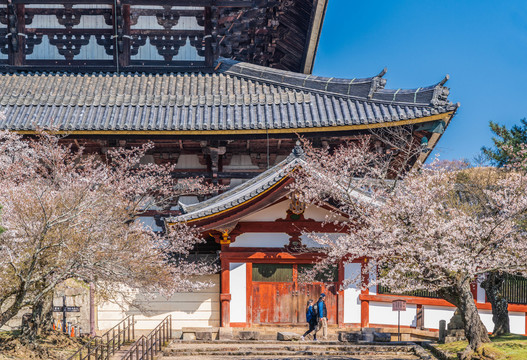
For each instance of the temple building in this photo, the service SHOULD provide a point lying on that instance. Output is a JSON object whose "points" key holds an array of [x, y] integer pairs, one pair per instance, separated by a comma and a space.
{"points": [[223, 89]]}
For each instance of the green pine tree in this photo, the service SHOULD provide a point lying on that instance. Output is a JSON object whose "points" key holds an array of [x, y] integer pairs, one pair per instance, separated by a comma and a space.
{"points": [[504, 138]]}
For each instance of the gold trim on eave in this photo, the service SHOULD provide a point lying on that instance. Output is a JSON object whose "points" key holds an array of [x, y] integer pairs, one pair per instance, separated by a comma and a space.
{"points": [[251, 131]]}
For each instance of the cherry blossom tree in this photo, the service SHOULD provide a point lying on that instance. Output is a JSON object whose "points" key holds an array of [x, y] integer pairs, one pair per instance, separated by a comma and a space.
{"points": [[438, 229], [71, 215]]}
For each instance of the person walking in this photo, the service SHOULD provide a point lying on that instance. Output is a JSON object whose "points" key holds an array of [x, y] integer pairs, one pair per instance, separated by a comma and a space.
{"points": [[312, 320], [322, 316]]}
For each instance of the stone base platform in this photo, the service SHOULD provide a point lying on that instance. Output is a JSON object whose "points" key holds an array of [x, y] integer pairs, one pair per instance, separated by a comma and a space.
{"points": [[271, 333], [298, 350]]}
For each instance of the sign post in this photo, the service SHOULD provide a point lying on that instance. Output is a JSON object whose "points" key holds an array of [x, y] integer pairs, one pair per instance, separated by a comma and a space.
{"points": [[399, 305], [65, 309]]}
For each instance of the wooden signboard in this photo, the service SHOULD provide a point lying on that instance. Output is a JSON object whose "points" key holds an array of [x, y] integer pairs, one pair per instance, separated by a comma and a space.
{"points": [[399, 305]]}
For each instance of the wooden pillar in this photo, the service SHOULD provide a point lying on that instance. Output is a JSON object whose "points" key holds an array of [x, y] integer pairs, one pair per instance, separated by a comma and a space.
{"points": [[17, 29], [209, 54], [340, 296], [365, 305], [225, 295], [124, 56], [249, 290]]}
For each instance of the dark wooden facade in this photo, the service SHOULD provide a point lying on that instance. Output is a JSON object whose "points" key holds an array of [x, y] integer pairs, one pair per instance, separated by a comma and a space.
{"points": [[52, 34]]}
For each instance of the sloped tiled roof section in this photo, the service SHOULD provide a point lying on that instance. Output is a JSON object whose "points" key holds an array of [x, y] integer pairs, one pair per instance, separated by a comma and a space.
{"points": [[236, 96]]}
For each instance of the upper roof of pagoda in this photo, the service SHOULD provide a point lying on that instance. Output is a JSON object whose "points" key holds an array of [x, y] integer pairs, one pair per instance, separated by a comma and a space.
{"points": [[236, 98]]}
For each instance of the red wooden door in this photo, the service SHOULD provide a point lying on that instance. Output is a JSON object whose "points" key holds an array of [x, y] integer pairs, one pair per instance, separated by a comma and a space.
{"points": [[280, 299], [272, 303]]}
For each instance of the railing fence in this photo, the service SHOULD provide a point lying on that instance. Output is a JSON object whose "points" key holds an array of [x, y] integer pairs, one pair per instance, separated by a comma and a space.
{"points": [[103, 347], [147, 347]]}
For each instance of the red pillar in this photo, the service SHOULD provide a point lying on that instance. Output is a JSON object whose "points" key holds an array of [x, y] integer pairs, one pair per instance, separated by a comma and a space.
{"points": [[225, 296], [365, 305], [340, 296]]}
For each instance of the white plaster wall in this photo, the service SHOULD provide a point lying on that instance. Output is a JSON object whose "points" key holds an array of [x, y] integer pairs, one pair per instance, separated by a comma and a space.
{"points": [[381, 313], [434, 314], [196, 309], [279, 211], [270, 240], [309, 242], [486, 318], [317, 213], [189, 161], [262, 240], [516, 319], [238, 288], [147, 52], [240, 162], [352, 308], [517, 323], [271, 213], [480, 291]]}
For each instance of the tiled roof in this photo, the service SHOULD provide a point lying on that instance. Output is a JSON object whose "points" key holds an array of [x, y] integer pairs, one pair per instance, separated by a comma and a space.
{"points": [[243, 192], [236, 96]]}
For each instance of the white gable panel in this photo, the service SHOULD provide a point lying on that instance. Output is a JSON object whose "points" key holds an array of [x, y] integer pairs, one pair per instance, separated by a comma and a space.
{"points": [[261, 240], [279, 211], [271, 240], [271, 213], [319, 214]]}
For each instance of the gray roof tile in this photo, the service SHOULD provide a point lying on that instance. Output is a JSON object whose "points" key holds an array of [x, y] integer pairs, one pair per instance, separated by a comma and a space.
{"points": [[237, 96]]}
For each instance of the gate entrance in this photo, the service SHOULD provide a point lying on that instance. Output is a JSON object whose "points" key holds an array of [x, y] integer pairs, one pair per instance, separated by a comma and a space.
{"points": [[279, 298]]}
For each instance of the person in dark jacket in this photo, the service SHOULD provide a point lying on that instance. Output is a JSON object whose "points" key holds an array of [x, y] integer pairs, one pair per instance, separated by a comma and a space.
{"points": [[322, 316], [312, 320]]}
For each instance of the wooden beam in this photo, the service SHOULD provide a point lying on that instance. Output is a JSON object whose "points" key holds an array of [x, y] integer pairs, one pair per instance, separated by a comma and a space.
{"points": [[219, 3], [209, 53]]}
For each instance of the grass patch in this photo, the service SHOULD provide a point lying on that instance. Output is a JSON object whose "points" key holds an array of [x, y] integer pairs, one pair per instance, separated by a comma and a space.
{"points": [[504, 347]]}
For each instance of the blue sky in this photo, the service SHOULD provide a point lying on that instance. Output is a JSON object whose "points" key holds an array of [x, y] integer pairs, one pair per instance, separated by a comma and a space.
{"points": [[481, 44]]}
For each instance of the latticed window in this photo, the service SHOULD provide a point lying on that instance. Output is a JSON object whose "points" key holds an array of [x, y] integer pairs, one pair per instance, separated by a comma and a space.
{"points": [[273, 272]]}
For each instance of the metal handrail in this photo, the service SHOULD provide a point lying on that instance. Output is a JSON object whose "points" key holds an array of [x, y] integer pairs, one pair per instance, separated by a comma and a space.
{"points": [[146, 347], [100, 349]]}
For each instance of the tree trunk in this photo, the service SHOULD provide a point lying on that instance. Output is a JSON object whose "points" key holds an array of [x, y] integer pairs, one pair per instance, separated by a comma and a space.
{"points": [[475, 332], [12, 309], [41, 317], [500, 313]]}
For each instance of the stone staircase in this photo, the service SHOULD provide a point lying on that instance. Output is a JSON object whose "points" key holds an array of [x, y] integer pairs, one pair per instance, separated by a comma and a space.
{"points": [[269, 349]]}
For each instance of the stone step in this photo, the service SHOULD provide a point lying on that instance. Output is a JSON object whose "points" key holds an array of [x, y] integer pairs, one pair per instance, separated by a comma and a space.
{"points": [[303, 357], [287, 349], [281, 349], [252, 343], [288, 354]]}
